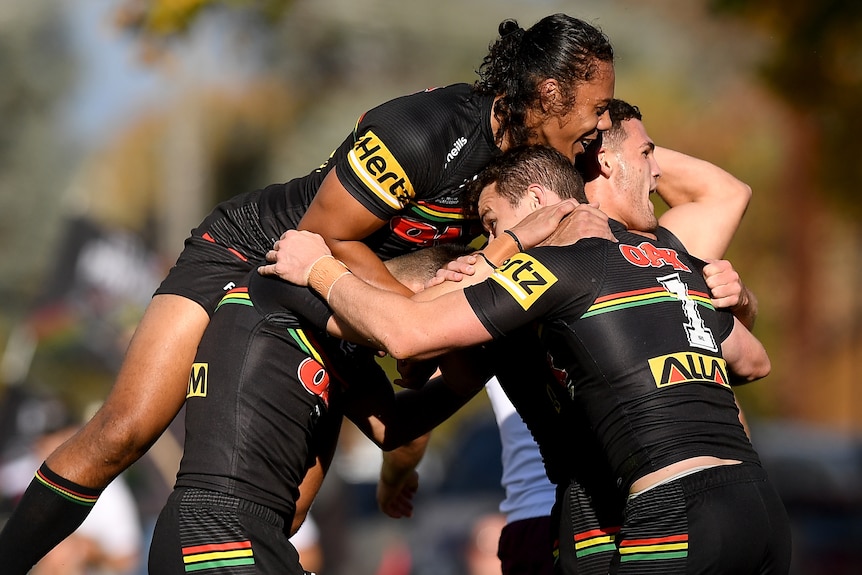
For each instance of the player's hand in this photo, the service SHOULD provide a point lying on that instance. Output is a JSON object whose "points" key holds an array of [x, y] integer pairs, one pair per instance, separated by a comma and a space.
{"points": [[415, 373], [293, 255], [396, 499], [724, 283], [729, 292], [586, 221], [454, 271], [542, 222]]}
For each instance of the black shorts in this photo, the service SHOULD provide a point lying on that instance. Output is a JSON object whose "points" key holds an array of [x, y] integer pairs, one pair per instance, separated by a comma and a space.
{"points": [[726, 519], [219, 253], [526, 547], [202, 531], [588, 521]]}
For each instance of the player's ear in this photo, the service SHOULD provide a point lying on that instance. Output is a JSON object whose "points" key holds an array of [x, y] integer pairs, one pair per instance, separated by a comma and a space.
{"points": [[535, 196], [605, 161], [549, 95]]}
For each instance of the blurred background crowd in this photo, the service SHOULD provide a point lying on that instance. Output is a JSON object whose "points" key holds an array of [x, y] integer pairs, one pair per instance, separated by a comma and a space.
{"points": [[125, 121]]}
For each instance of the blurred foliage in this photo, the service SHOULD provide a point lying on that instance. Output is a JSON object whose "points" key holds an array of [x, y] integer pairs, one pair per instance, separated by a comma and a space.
{"points": [[165, 18], [37, 72], [815, 65]]}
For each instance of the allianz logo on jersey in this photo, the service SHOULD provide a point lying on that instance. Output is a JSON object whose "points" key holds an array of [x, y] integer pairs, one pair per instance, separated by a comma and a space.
{"points": [[688, 367], [456, 149], [198, 380]]}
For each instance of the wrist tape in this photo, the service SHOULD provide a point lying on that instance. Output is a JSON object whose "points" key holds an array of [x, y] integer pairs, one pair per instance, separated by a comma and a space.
{"points": [[502, 248], [324, 273]]}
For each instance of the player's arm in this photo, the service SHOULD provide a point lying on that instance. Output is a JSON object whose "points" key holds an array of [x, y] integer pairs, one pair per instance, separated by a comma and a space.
{"points": [[433, 327], [437, 326], [399, 480], [344, 222], [389, 321], [308, 489], [746, 357], [393, 419], [706, 202]]}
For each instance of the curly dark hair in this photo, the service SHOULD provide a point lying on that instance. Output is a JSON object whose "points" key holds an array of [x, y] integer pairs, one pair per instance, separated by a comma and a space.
{"points": [[561, 47]]}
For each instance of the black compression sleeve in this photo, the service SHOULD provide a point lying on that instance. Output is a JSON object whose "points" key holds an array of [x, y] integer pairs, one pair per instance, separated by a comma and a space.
{"points": [[272, 295], [49, 511]]}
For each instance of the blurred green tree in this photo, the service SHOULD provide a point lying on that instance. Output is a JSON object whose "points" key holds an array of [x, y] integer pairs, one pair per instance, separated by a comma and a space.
{"points": [[814, 67]]}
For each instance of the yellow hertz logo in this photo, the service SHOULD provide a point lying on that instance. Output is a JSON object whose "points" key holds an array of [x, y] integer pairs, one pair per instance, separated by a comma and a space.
{"points": [[524, 278], [686, 367], [375, 165], [198, 380]]}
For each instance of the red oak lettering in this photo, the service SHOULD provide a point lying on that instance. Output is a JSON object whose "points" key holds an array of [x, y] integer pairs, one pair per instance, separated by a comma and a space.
{"points": [[647, 254]]}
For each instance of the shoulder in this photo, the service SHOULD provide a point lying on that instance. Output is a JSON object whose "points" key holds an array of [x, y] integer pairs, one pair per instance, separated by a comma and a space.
{"points": [[427, 111]]}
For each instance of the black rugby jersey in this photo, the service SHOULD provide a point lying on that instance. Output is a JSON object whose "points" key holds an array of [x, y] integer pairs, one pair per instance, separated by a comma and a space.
{"points": [[262, 390], [406, 160], [632, 326], [538, 391]]}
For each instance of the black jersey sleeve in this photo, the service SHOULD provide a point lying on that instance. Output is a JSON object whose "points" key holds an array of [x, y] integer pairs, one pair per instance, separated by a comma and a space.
{"points": [[544, 284], [273, 295], [725, 319], [391, 156], [400, 148]]}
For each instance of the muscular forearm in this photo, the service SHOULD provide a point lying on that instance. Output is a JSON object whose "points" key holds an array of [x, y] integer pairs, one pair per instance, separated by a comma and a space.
{"points": [[433, 327], [687, 179], [746, 310], [400, 462], [366, 265], [707, 203]]}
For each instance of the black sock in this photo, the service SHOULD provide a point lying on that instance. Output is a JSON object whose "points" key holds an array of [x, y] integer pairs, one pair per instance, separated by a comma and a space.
{"points": [[49, 511]]}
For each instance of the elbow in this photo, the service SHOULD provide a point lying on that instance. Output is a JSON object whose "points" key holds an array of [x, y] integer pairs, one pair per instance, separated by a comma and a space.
{"points": [[399, 348], [758, 370], [743, 193], [764, 368], [408, 342]]}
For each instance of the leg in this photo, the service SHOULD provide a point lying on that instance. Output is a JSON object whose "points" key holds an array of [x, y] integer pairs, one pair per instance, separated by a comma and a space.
{"points": [[526, 547], [147, 395]]}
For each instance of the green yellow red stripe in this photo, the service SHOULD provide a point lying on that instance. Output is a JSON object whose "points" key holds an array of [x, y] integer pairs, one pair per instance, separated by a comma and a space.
{"points": [[237, 295], [670, 547], [305, 344], [595, 541], [212, 556], [635, 298], [438, 213], [81, 498]]}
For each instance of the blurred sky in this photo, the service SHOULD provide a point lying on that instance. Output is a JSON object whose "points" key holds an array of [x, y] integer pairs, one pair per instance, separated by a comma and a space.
{"points": [[112, 84], [116, 83]]}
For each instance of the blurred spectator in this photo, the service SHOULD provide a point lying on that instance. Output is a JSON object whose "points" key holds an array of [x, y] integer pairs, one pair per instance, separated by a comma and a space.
{"points": [[307, 543], [481, 552], [109, 542]]}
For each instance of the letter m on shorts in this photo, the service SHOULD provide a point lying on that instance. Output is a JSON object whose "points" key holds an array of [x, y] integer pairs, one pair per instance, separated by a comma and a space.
{"points": [[198, 380]]}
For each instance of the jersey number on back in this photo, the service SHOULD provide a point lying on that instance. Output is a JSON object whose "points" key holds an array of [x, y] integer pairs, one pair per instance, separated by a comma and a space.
{"points": [[698, 334]]}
